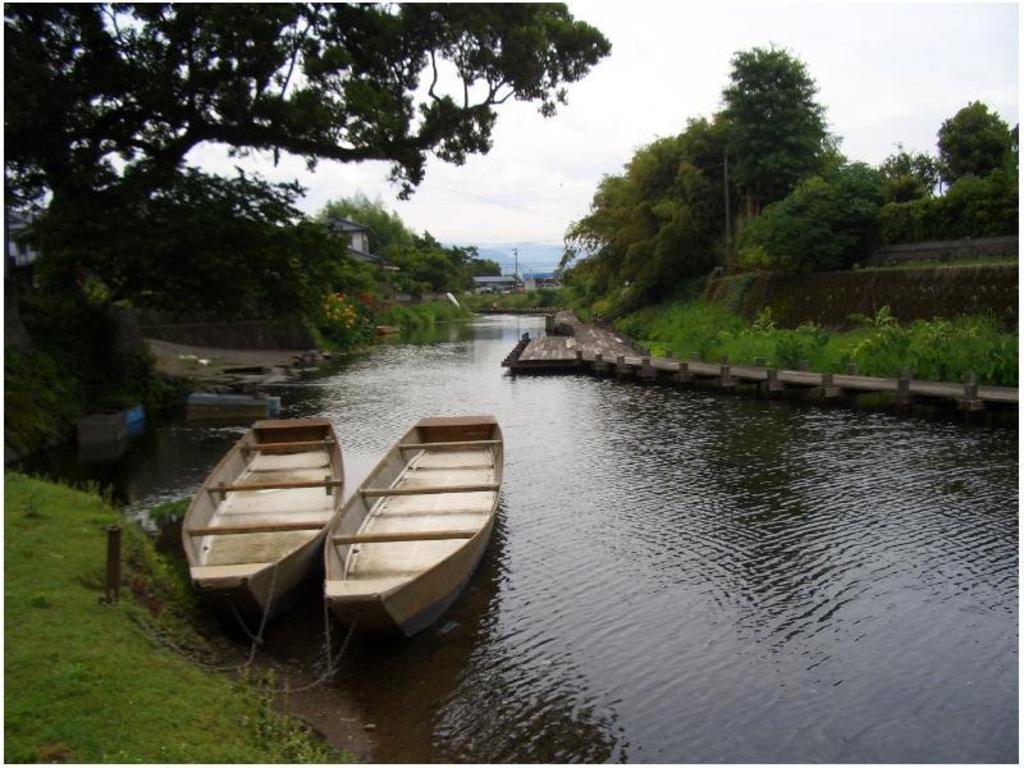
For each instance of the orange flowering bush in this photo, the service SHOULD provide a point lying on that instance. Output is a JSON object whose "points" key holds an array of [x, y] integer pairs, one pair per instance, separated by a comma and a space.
{"points": [[343, 320], [338, 311]]}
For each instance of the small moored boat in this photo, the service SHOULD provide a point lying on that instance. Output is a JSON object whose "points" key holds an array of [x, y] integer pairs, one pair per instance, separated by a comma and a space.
{"points": [[410, 537], [254, 532]]}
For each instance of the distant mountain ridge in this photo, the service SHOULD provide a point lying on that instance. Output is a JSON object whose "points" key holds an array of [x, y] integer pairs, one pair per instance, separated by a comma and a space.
{"points": [[533, 257]]}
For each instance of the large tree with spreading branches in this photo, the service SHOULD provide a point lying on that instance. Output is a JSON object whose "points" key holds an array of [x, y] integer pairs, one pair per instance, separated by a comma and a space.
{"points": [[98, 91], [104, 103]]}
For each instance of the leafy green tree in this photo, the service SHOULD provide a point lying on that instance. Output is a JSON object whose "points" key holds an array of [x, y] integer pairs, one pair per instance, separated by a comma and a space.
{"points": [[971, 207], [660, 221], [973, 141], [387, 231], [424, 264], [427, 266], [234, 246], [908, 175], [484, 268], [145, 83], [105, 101], [777, 131], [823, 224]]}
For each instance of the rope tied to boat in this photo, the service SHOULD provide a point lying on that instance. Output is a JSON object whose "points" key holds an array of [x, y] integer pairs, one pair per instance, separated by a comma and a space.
{"points": [[255, 639], [332, 661]]}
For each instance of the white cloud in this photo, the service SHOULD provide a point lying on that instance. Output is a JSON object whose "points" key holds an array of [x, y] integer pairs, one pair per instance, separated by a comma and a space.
{"points": [[887, 73]]}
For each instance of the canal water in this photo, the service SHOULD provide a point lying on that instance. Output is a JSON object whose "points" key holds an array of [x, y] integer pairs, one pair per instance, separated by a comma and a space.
{"points": [[677, 576]]}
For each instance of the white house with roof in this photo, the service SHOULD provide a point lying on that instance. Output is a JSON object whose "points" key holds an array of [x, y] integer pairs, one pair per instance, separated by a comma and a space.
{"points": [[358, 240]]}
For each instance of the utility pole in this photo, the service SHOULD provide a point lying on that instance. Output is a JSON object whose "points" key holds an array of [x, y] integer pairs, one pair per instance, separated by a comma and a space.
{"points": [[728, 214], [515, 272]]}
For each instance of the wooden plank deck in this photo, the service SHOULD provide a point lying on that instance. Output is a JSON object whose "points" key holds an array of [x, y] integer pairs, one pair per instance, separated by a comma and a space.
{"points": [[594, 349]]}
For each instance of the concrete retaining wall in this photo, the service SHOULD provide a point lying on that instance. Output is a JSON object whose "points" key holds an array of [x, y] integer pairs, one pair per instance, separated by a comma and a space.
{"points": [[947, 250], [239, 334], [828, 298]]}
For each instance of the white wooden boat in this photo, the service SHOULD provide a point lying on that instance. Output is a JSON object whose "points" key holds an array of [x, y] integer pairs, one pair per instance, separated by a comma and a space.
{"points": [[255, 530], [410, 537]]}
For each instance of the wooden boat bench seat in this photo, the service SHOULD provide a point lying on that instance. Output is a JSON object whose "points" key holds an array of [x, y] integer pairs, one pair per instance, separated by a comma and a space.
{"points": [[247, 528], [438, 446], [393, 537], [319, 460]]}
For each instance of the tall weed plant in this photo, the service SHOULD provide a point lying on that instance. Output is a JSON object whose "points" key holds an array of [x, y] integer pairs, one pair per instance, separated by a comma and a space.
{"points": [[938, 350]]}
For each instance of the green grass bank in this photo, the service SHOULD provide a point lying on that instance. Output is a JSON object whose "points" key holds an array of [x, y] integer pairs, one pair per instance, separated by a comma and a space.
{"points": [[424, 314], [547, 298], [879, 345], [93, 683]]}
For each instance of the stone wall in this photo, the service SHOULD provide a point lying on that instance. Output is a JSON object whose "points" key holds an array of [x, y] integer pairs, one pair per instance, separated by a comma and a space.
{"points": [[947, 250], [829, 298], [221, 334]]}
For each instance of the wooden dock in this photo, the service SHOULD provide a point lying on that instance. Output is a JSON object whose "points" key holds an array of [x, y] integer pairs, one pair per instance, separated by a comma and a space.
{"points": [[573, 346]]}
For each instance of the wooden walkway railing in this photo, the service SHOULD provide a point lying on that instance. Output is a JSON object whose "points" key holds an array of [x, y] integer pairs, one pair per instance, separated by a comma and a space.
{"points": [[599, 351]]}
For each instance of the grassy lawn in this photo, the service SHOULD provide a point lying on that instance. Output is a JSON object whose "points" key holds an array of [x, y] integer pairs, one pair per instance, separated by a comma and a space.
{"points": [[85, 682]]}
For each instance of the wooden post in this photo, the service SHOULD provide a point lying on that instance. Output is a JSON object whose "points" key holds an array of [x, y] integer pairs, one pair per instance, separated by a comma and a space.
{"points": [[113, 563], [851, 369], [621, 369], [971, 401], [579, 358], [725, 379], [772, 386], [683, 375], [647, 371], [903, 390], [759, 362], [804, 365], [828, 390], [600, 366]]}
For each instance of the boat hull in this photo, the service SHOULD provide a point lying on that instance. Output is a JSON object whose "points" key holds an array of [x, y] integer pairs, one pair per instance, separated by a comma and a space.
{"points": [[407, 542], [254, 533], [265, 592], [417, 604]]}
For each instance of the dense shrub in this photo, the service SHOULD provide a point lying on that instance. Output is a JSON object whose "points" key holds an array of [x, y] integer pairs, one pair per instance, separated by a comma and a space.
{"points": [[824, 224], [236, 247], [41, 401], [972, 207]]}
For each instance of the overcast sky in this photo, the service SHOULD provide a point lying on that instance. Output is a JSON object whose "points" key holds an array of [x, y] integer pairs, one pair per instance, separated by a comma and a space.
{"points": [[886, 73]]}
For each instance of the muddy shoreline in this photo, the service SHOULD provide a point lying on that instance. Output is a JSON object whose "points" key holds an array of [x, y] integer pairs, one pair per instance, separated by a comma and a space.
{"points": [[296, 661]]}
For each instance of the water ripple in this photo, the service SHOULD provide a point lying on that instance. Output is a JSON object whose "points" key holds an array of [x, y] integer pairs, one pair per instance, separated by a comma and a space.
{"points": [[682, 577]]}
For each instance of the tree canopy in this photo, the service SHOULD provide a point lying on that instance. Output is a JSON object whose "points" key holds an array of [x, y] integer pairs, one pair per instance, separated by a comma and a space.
{"points": [[826, 223], [659, 221], [777, 132], [202, 243], [131, 88], [973, 141], [387, 231], [424, 264], [908, 175]]}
